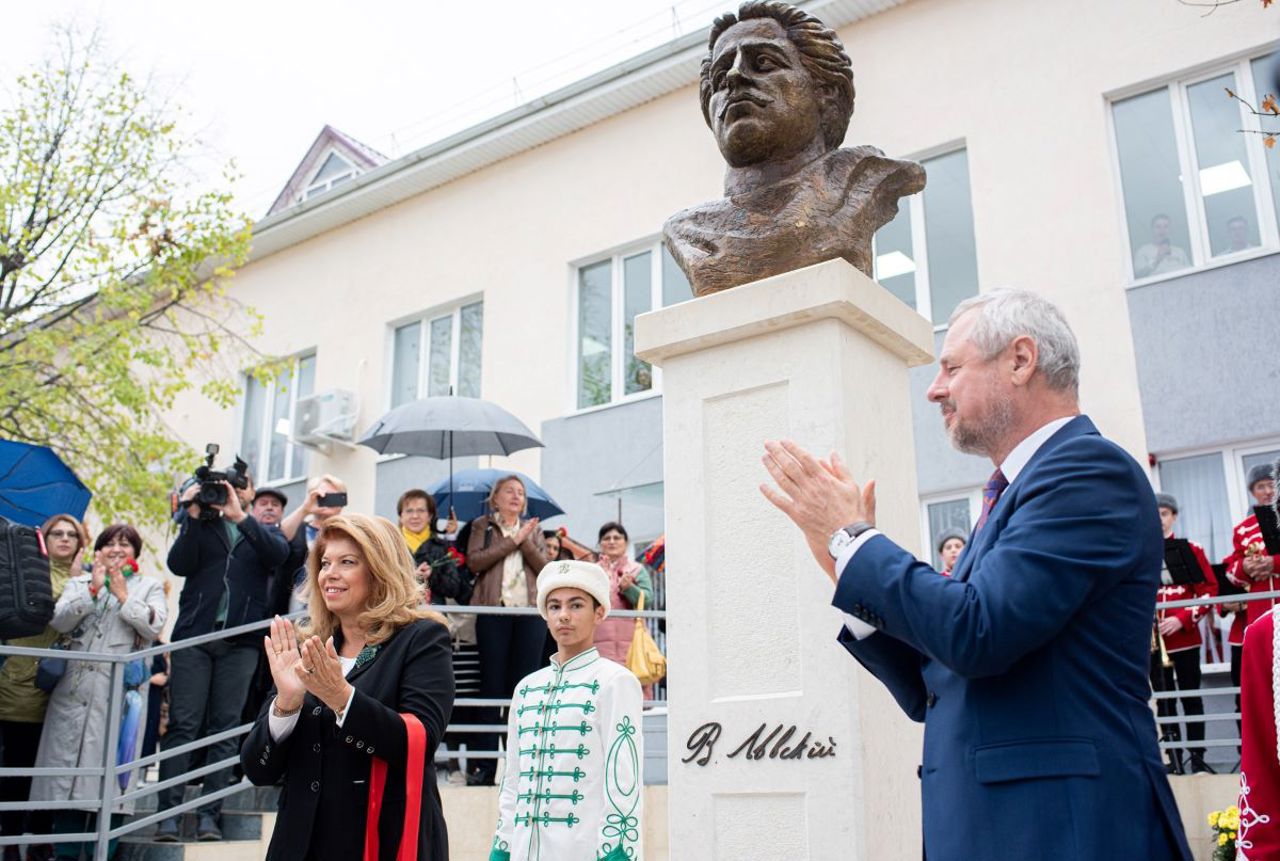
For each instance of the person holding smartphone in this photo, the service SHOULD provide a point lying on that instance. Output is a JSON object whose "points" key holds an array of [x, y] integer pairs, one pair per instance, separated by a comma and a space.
{"points": [[326, 497]]}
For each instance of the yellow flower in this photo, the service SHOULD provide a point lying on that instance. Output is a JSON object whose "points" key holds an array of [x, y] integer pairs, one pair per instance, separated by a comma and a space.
{"points": [[1213, 819], [1232, 835], [1222, 839], [1233, 811]]}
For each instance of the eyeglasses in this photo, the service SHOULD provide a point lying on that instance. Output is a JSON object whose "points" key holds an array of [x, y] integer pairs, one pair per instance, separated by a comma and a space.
{"points": [[63, 533]]}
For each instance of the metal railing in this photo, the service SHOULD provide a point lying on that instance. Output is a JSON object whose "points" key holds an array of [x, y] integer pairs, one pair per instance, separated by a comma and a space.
{"points": [[109, 771], [1232, 716]]}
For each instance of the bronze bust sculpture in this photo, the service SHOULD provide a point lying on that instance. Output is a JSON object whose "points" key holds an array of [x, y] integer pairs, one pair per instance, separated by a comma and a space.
{"points": [[777, 92]]}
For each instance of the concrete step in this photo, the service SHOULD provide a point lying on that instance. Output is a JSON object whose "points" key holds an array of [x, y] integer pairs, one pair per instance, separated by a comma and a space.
{"points": [[245, 838], [257, 798]]}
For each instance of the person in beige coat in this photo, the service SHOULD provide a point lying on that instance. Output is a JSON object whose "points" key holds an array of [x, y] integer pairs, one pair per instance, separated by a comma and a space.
{"points": [[506, 552], [107, 610]]}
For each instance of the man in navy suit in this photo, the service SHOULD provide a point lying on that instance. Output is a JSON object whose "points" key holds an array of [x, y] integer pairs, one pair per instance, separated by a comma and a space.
{"points": [[1028, 666]]}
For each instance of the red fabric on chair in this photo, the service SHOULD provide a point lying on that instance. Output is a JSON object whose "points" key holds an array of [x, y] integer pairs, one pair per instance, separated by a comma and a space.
{"points": [[414, 768]]}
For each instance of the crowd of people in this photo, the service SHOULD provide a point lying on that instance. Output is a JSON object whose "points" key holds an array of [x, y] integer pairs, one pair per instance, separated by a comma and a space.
{"points": [[1178, 634], [379, 651], [243, 561]]}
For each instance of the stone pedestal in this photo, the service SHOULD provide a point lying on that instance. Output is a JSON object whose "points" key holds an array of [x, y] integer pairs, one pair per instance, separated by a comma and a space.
{"points": [[819, 355]]}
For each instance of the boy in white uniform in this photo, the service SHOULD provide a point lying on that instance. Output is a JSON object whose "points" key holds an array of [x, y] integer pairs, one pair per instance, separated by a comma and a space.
{"points": [[572, 786]]}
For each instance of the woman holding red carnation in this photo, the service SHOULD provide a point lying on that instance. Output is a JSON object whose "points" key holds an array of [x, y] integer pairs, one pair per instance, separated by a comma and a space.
{"points": [[113, 608]]}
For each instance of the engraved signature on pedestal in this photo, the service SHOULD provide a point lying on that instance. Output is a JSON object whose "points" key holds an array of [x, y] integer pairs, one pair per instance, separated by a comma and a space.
{"points": [[761, 744]]}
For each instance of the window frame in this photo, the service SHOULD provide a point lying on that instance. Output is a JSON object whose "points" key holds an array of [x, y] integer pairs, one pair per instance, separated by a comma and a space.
{"points": [[424, 320], [973, 496], [1176, 86], [617, 328], [315, 189], [1239, 503], [919, 238], [263, 463]]}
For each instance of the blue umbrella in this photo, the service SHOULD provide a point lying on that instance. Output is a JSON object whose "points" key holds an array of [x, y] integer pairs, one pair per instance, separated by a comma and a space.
{"points": [[35, 485], [469, 497]]}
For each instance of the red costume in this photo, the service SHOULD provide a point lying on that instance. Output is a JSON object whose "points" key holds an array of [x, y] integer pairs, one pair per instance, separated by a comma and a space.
{"points": [[1188, 636], [1243, 536], [1259, 833]]}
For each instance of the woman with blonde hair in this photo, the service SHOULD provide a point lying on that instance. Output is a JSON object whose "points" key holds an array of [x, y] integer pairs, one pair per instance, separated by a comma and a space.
{"points": [[353, 686], [506, 553]]}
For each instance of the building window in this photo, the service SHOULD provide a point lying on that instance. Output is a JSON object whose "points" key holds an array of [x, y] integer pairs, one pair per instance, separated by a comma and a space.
{"points": [[269, 411], [927, 256], [1195, 187], [1211, 493], [438, 355], [610, 294], [943, 514], [333, 172]]}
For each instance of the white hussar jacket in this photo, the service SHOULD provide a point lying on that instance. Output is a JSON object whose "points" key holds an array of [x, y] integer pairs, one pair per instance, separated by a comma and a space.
{"points": [[572, 786]]}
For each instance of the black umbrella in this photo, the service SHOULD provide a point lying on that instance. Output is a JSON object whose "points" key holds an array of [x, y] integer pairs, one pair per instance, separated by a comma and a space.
{"points": [[445, 427]]}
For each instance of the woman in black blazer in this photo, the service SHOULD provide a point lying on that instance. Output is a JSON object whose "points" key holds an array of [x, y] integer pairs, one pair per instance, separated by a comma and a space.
{"points": [[367, 655]]}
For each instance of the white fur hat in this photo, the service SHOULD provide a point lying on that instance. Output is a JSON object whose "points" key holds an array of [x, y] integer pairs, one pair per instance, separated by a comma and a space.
{"points": [[587, 576]]}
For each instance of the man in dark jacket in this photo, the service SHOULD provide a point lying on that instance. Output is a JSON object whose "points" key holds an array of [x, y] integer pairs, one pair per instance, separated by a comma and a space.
{"points": [[227, 563]]}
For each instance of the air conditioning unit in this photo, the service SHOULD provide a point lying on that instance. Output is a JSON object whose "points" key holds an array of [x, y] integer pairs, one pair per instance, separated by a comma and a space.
{"points": [[325, 417]]}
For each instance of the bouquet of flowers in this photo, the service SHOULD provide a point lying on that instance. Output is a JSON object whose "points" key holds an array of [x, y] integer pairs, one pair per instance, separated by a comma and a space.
{"points": [[456, 556], [1225, 824]]}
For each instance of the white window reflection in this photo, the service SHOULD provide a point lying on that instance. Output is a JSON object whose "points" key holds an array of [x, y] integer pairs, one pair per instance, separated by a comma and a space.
{"points": [[927, 255], [1195, 186], [611, 293], [438, 355]]}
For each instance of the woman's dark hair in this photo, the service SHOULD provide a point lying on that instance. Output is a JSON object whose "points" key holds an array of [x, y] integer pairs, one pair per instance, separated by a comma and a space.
{"points": [[613, 526], [418, 494], [122, 530]]}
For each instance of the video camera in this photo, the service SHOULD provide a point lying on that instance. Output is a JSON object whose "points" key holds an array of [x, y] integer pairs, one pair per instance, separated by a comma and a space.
{"points": [[212, 492]]}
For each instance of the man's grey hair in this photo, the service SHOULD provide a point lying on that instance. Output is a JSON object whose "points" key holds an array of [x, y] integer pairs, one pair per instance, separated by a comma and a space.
{"points": [[1005, 314]]}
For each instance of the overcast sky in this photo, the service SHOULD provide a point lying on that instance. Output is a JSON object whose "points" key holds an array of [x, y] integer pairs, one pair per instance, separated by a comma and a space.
{"points": [[260, 79]]}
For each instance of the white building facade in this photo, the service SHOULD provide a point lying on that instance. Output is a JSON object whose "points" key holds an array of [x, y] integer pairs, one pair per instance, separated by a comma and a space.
{"points": [[1083, 150]]}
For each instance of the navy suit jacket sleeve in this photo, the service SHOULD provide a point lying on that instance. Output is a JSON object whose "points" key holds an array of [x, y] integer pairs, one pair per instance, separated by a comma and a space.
{"points": [[1065, 536]]}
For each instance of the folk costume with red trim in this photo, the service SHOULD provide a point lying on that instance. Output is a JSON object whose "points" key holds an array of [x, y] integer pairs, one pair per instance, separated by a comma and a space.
{"points": [[1188, 636], [1246, 540], [1259, 833]]}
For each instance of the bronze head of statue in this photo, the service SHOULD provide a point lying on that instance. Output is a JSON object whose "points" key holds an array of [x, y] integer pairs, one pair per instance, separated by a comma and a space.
{"points": [[777, 92]]}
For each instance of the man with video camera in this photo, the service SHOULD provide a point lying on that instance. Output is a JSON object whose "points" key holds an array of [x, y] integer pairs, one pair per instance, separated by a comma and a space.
{"points": [[226, 556]]}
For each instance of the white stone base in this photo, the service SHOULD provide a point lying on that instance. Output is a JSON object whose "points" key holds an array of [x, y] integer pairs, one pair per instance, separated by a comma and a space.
{"points": [[819, 355]]}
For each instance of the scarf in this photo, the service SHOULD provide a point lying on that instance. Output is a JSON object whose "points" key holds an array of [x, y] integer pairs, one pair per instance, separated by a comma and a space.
{"points": [[415, 539]]}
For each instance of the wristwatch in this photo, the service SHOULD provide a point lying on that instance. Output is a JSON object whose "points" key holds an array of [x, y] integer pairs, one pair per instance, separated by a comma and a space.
{"points": [[842, 538]]}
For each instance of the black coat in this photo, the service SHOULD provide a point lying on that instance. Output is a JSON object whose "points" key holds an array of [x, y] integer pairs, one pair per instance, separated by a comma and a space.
{"points": [[326, 768], [447, 579], [204, 555], [290, 574]]}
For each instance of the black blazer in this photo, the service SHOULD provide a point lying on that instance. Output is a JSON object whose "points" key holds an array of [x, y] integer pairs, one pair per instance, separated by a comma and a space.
{"points": [[326, 768], [204, 555]]}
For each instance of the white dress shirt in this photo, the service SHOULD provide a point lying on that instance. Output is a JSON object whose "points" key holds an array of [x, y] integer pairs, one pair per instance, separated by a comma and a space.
{"points": [[1013, 465], [282, 727]]}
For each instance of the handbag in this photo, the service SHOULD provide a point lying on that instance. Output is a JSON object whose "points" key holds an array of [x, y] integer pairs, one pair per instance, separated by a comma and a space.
{"points": [[644, 659], [415, 766], [49, 671]]}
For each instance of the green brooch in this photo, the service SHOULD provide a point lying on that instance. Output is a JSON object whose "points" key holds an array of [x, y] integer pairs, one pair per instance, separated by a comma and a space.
{"points": [[367, 654]]}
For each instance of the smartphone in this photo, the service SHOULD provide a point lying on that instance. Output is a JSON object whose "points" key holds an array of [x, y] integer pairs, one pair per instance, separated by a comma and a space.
{"points": [[332, 500]]}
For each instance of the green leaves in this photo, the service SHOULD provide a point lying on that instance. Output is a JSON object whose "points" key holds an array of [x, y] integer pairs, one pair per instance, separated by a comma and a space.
{"points": [[112, 278]]}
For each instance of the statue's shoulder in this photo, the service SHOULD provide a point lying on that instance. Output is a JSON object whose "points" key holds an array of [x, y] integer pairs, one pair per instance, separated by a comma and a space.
{"points": [[869, 158]]}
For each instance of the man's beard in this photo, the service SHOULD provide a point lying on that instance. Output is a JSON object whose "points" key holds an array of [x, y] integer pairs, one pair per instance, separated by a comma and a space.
{"points": [[981, 435]]}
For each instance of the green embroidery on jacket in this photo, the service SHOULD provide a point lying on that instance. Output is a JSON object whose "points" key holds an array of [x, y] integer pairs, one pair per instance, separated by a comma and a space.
{"points": [[620, 822]]}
